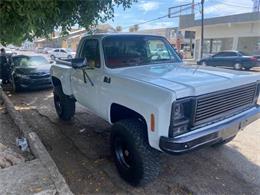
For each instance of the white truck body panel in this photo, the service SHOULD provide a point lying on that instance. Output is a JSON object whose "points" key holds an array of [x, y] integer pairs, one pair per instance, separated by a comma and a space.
{"points": [[148, 89]]}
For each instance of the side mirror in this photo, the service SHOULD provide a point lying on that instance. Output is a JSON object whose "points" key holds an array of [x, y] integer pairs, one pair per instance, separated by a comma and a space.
{"points": [[78, 63]]}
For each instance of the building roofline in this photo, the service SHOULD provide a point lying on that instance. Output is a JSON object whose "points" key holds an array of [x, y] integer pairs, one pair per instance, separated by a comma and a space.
{"points": [[237, 18]]}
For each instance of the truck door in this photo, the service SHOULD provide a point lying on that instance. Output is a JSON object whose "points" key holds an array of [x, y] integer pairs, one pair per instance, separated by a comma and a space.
{"points": [[86, 82]]}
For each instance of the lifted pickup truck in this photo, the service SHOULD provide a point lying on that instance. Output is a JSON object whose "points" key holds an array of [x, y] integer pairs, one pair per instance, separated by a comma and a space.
{"points": [[154, 102]]}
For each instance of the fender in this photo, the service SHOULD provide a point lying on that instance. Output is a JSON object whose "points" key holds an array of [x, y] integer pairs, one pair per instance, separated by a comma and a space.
{"points": [[63, 73], [145, 100]]}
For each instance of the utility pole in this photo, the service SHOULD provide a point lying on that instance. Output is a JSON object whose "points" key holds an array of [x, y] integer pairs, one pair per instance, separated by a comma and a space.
{"points": [[192, 7], [202, 29]]}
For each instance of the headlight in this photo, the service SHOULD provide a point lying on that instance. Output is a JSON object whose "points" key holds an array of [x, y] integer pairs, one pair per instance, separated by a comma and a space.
{"points": [[181, 117], [178, 111], [258, 94], [22, 76]]}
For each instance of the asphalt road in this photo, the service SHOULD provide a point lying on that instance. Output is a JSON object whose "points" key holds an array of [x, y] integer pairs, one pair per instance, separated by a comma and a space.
{"points": [[80, 149]]}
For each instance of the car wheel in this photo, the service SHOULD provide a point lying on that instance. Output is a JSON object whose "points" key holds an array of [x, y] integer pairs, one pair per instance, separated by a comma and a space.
{"points": [[69, 57], [136, 162], [52, 57], [237, 66], [64, 105], [204, 63], [247, 68], [223, 142]]}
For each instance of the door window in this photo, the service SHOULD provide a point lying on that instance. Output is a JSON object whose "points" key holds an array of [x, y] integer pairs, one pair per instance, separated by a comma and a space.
{"points": [[231, 54], [219, 55], [90, 50]]}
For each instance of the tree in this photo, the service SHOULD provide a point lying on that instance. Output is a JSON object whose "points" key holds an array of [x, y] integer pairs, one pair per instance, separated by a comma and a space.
{"points": [[119, 28], [21, 20]]}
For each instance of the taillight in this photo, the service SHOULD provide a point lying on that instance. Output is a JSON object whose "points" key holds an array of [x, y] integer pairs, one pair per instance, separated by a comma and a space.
{"points": [[253, 59]]}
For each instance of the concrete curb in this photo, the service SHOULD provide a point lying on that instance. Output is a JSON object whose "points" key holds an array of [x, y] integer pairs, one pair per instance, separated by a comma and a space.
{"points": [[36, 146]]}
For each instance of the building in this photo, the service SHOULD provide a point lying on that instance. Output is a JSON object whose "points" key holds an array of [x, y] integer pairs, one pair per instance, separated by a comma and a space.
{"points": [[256, 5], [72, 39], [234, 32]]}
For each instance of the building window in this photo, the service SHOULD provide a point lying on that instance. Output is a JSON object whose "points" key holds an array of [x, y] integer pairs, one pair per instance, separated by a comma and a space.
{"points": [[211, 46], [250, 45]]}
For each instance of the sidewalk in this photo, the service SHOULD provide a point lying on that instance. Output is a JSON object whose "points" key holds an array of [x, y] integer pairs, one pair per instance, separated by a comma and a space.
{"points": [[32, 172], [20, 172]]}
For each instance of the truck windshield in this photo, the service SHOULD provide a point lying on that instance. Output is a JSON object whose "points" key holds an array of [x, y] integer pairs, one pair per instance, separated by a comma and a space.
{"points": [[136, 50]]}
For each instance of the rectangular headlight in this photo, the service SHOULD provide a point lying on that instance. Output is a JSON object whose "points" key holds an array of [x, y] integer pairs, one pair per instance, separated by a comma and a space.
{"points": [[181, 116]]}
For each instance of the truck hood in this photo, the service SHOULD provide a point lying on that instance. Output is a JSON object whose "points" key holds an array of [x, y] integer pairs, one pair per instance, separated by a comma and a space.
{"points": [[187, 80]]}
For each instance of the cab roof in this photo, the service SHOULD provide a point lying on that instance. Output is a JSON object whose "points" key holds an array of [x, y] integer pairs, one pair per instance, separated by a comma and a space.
{"points": [[102, 35]]}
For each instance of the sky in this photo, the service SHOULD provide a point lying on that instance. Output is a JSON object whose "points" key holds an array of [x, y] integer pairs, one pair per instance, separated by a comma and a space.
{"points": [[145, 10]]}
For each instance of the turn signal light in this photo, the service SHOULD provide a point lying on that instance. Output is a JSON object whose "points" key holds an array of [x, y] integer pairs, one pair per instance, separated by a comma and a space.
{"points": [[152, 122]]}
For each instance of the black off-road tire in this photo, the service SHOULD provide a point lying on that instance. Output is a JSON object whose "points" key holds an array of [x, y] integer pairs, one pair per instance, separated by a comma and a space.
{"points": [[64, 104], [138, 163], [223, 142]]}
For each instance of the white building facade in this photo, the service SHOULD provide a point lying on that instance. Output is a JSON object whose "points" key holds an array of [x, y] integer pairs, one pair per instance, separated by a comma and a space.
{"points": [[237, 32]]}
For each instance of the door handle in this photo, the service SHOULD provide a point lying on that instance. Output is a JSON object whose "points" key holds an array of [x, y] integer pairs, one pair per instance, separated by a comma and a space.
{"points": [[107, 79]]}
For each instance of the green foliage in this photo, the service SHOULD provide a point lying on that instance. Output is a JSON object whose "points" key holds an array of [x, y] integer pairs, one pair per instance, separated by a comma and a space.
{"points": [[26, 19]]}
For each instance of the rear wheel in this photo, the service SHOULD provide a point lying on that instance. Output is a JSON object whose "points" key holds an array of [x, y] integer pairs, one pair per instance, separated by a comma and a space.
{"points": [[238, 66], [64, 105], [136, 162]]}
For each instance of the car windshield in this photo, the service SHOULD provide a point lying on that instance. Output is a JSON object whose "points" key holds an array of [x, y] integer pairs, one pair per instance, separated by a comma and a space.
{"points": [[244, 53], [128, 50], [68, 50], [30, 61]]}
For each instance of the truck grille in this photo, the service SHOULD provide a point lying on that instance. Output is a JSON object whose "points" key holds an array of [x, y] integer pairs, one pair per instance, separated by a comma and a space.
{"points": [[224, 103]]}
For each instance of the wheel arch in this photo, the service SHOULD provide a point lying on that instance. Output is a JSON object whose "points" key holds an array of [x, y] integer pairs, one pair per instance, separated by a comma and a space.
{"points": [[120, 112]]}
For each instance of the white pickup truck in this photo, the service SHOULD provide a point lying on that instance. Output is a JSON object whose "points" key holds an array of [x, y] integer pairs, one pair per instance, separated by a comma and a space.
{"points": [[154, 102]]}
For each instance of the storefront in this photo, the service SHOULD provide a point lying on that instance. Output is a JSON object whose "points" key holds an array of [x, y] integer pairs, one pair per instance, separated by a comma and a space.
{"points": [[236, 32]]}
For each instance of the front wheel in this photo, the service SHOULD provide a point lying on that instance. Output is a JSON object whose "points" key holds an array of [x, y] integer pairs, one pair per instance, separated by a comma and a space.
{"points": [[223, 142], [204, 63], [136, 162], [64, 105], [69, 57], [52, 57], [238, 66]]}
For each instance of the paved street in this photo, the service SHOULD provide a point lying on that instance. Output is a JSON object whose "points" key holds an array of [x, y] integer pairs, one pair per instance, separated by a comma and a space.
{"points": [[81, 151]]}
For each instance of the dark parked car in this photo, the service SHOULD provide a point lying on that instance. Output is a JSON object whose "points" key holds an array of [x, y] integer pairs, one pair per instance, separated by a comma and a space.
{"points": [[30, 72], [235, 59]]}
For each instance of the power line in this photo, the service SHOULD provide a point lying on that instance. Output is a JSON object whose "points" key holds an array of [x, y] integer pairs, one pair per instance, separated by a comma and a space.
{"points": [[233, 5], [164, 16]]}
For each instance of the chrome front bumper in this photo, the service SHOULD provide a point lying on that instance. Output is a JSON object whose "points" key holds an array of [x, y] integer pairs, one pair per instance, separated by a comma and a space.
{"points": [[210, 134]]}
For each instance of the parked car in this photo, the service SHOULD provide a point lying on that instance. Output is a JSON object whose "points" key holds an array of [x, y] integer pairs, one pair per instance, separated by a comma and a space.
{"points": [[62, 53], [235, 59], [154, 102], [47, 50], [30, 72], [39, 50]]}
